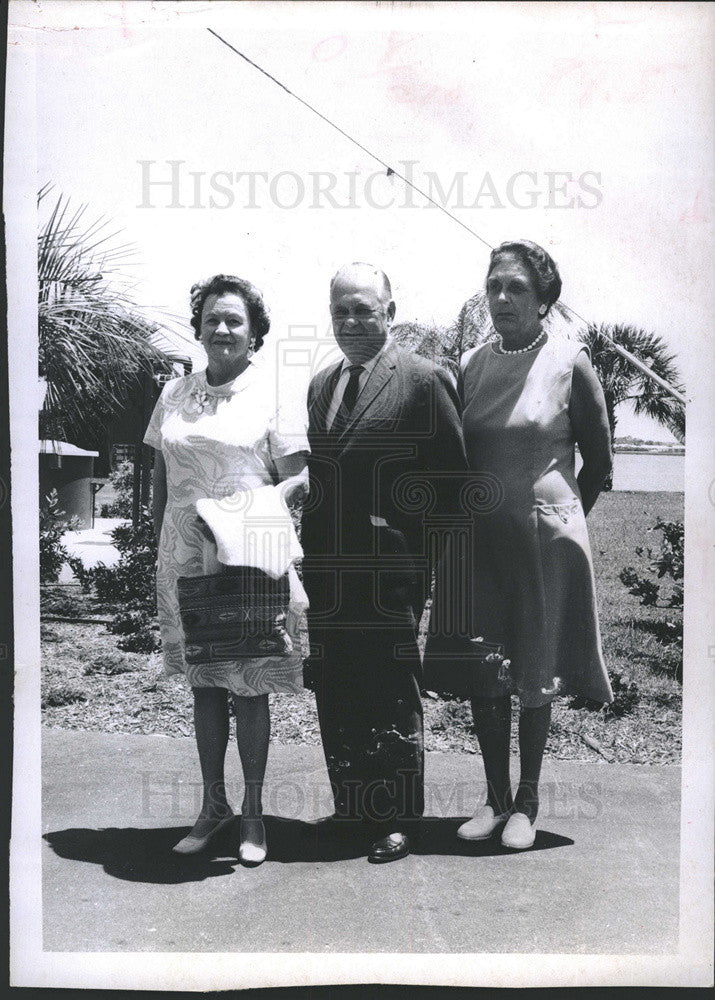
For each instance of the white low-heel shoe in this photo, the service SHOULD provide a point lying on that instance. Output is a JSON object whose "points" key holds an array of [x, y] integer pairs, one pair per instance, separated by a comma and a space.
{"points": [[193, 845], [252, 852], [482, 824], [519, 833]]}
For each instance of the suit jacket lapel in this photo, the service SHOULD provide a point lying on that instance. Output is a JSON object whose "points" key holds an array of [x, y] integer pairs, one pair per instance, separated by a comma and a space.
{"points": [[318, 409], [379, 377]]}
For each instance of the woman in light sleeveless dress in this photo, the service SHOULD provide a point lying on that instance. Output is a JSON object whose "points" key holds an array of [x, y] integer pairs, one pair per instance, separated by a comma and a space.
{"points": [[217, 432], [527, 399]]}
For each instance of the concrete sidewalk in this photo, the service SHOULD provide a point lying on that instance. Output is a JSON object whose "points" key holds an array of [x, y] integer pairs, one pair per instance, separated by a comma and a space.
{"points": [[601, 878]]}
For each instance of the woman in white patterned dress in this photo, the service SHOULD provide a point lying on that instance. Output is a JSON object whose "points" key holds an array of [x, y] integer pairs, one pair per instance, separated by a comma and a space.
{"points": [[217, 432]]}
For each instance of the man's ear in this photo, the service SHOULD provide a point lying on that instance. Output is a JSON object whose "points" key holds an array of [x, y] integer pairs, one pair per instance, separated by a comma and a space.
{"points": [[391, 310]]}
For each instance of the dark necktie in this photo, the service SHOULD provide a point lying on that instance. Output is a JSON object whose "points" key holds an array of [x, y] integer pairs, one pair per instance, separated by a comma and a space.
{"points": [[347, 403]]}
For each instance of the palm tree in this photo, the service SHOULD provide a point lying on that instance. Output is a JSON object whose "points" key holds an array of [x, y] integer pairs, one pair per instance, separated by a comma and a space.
{"points": [[93, 344], [622, 382]]}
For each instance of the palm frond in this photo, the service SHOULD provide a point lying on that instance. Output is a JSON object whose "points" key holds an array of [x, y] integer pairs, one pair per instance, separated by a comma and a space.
{"points": [[622, 381], [93, 341], [428, 341]]}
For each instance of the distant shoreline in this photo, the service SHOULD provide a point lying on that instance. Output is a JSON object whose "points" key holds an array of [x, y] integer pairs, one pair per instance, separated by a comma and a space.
{"points": [[649, 449]]}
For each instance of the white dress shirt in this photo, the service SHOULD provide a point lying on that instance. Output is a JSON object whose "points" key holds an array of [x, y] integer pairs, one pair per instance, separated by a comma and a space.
{"points": [[344, 377]]}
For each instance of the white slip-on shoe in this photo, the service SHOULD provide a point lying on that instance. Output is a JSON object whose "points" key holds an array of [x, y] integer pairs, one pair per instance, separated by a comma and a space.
{"points": [[519, 833], [482, 824], [193, 845]]}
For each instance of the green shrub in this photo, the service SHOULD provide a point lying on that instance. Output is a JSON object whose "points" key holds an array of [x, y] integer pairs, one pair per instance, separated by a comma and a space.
{"points": [[58, 602], [130, 582], [639, 586], [49, 634], [626, 695], [129, 585], [62, 694], [668, 562], [671, 559], [84, 576], [53, 524], [453, 716], [122, 480], [137, 630], [111, 663]]}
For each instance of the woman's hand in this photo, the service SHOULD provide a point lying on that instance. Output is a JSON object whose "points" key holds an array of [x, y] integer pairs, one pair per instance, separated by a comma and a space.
{"points": [[293, 477], [589, 419]]}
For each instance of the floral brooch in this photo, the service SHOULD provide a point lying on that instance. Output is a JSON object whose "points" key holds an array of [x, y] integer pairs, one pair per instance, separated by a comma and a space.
{"points": [[200, 398]]}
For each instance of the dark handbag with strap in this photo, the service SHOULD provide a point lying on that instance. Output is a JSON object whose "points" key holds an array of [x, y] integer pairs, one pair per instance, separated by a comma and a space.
{"points": [[241, 612]]}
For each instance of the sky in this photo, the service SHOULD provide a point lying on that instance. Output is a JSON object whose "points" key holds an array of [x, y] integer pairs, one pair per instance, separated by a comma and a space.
{"points": [[585, 127]]}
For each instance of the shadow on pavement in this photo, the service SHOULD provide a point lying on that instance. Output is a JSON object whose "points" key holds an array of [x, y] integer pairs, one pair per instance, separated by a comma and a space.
{"points": [[439, 836], [144, 855]]}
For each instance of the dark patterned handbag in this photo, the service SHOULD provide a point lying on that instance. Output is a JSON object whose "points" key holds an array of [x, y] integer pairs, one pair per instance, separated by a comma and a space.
{"points": [[241, 612]]}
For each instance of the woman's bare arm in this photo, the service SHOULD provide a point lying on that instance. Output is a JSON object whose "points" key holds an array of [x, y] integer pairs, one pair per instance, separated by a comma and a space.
{"points": [[589, 419]]}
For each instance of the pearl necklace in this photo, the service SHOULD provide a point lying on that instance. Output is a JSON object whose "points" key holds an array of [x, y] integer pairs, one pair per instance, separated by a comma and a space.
{"points": [[522, 350]]}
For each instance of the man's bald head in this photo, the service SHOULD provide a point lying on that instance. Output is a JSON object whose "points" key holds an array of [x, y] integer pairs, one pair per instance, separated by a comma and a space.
{"points": [[359, 273]]}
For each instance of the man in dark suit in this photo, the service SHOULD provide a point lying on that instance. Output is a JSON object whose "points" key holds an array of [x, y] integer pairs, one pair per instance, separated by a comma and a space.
{"points": [[385, 437]]}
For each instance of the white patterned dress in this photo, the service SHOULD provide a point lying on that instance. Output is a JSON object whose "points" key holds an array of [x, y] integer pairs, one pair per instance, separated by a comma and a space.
{"points": [[216, 440]]}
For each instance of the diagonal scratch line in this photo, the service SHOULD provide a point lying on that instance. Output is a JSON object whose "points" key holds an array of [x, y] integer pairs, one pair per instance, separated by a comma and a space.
{"points": [[391, 170], [328, 121]]}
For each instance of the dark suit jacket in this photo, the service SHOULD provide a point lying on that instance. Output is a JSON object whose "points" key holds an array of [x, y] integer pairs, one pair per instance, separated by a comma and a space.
{"points": [[400, 459]]}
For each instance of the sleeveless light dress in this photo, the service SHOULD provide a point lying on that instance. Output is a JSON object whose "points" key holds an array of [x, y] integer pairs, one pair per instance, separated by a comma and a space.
{"points": [[216, 440], [532, 581]]}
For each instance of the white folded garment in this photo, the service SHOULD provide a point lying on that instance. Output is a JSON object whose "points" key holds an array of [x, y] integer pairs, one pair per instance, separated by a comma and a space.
{"points": [[253, 528]]}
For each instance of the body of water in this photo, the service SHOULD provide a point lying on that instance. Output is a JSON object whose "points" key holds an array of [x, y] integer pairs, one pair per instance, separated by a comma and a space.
{"points": [[646, 472], [633, 471]]}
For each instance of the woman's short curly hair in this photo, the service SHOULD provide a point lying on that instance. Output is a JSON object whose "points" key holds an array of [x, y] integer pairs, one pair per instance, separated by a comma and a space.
{"points": [[540, 265], [219, 285]]}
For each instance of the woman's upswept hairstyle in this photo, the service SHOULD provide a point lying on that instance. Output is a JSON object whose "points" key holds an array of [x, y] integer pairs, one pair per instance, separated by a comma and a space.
{"points": [[540, 265], [222, 283]]}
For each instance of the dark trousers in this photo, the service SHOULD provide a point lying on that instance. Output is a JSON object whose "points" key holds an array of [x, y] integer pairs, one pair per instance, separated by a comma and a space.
{"points": [[370, 714]]}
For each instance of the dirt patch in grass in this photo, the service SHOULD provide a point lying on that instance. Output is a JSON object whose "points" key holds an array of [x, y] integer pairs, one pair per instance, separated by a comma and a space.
{"points": [[88, 684]]}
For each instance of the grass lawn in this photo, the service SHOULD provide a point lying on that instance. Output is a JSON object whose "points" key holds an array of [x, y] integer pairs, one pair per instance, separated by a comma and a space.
{"points": [[88, 684]]}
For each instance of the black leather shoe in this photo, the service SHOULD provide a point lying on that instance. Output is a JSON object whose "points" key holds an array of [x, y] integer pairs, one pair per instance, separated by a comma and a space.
{"points": [[389, 848]]}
